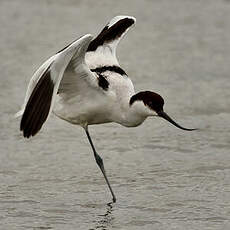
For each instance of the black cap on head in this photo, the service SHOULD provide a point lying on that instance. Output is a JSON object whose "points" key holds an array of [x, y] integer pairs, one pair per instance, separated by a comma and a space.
{"points": [[153, 100]]}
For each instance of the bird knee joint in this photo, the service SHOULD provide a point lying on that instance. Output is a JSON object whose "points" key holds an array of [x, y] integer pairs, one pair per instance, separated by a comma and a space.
{"points": [[99, 160]]}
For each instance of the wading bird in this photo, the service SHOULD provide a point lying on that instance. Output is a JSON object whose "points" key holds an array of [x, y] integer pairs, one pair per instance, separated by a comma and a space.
{"points": [[84, 84]]}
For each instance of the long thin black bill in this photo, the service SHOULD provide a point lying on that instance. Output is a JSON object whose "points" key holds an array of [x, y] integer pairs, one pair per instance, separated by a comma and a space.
{"points": [[169, 119]]}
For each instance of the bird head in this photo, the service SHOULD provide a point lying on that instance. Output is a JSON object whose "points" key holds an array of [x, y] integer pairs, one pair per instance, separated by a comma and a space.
{"points": [[153, 106]]}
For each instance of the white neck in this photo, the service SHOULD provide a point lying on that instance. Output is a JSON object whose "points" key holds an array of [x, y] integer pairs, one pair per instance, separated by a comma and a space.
{"points": [[135, 114]]}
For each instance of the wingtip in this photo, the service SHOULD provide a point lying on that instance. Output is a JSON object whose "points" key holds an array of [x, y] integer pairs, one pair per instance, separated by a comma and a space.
{"points": [[117, 18], [84, 41], [88, 36], [85, 38], [19, 113], [113, 31]]}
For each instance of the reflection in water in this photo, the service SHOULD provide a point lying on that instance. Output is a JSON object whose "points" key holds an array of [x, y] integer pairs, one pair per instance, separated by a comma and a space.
{"points": [[105, 220]]}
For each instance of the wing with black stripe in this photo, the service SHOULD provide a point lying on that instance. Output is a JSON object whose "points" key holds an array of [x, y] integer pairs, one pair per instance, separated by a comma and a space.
{"points": [[44, 85]]}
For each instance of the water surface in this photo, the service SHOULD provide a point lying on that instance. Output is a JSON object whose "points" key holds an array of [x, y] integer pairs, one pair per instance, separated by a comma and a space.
{"points": [[163, 177]]}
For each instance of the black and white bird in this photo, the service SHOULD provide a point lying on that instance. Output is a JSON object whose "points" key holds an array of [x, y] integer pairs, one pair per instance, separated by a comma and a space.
{"points": [[84, 84]]}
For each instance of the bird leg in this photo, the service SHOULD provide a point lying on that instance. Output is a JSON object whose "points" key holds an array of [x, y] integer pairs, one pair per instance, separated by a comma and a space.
{"points": [[99, 161]]}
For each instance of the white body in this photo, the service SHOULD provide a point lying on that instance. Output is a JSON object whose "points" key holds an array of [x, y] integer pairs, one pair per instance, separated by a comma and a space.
{"points": [[96, 106]]}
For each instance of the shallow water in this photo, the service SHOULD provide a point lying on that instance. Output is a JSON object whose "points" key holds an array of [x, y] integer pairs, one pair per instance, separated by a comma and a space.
{"points": [[163, 177]]}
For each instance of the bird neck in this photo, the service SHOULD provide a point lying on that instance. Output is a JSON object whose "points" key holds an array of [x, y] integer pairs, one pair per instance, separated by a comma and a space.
{"points": [[134, 114]]}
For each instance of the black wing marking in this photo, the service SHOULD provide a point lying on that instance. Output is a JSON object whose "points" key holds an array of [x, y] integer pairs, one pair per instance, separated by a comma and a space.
{"points": [[38, 106], [102, 82], [109, 34], [113, 68]]}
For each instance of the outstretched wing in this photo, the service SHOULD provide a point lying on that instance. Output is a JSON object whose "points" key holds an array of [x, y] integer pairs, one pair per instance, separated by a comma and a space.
{"points": [[100, 57], [102, 49], [43, 86]]}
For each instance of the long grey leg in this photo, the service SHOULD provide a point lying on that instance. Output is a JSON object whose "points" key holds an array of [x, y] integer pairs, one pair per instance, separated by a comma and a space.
{"points": [[99, 161]]}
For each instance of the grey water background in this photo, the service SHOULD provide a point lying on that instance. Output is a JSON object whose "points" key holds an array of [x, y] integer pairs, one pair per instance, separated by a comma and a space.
{"points": [[164, 178]]}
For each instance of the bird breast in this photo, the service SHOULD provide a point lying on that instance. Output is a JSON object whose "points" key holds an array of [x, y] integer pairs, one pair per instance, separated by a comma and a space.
{"points": [[97, 106]]}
